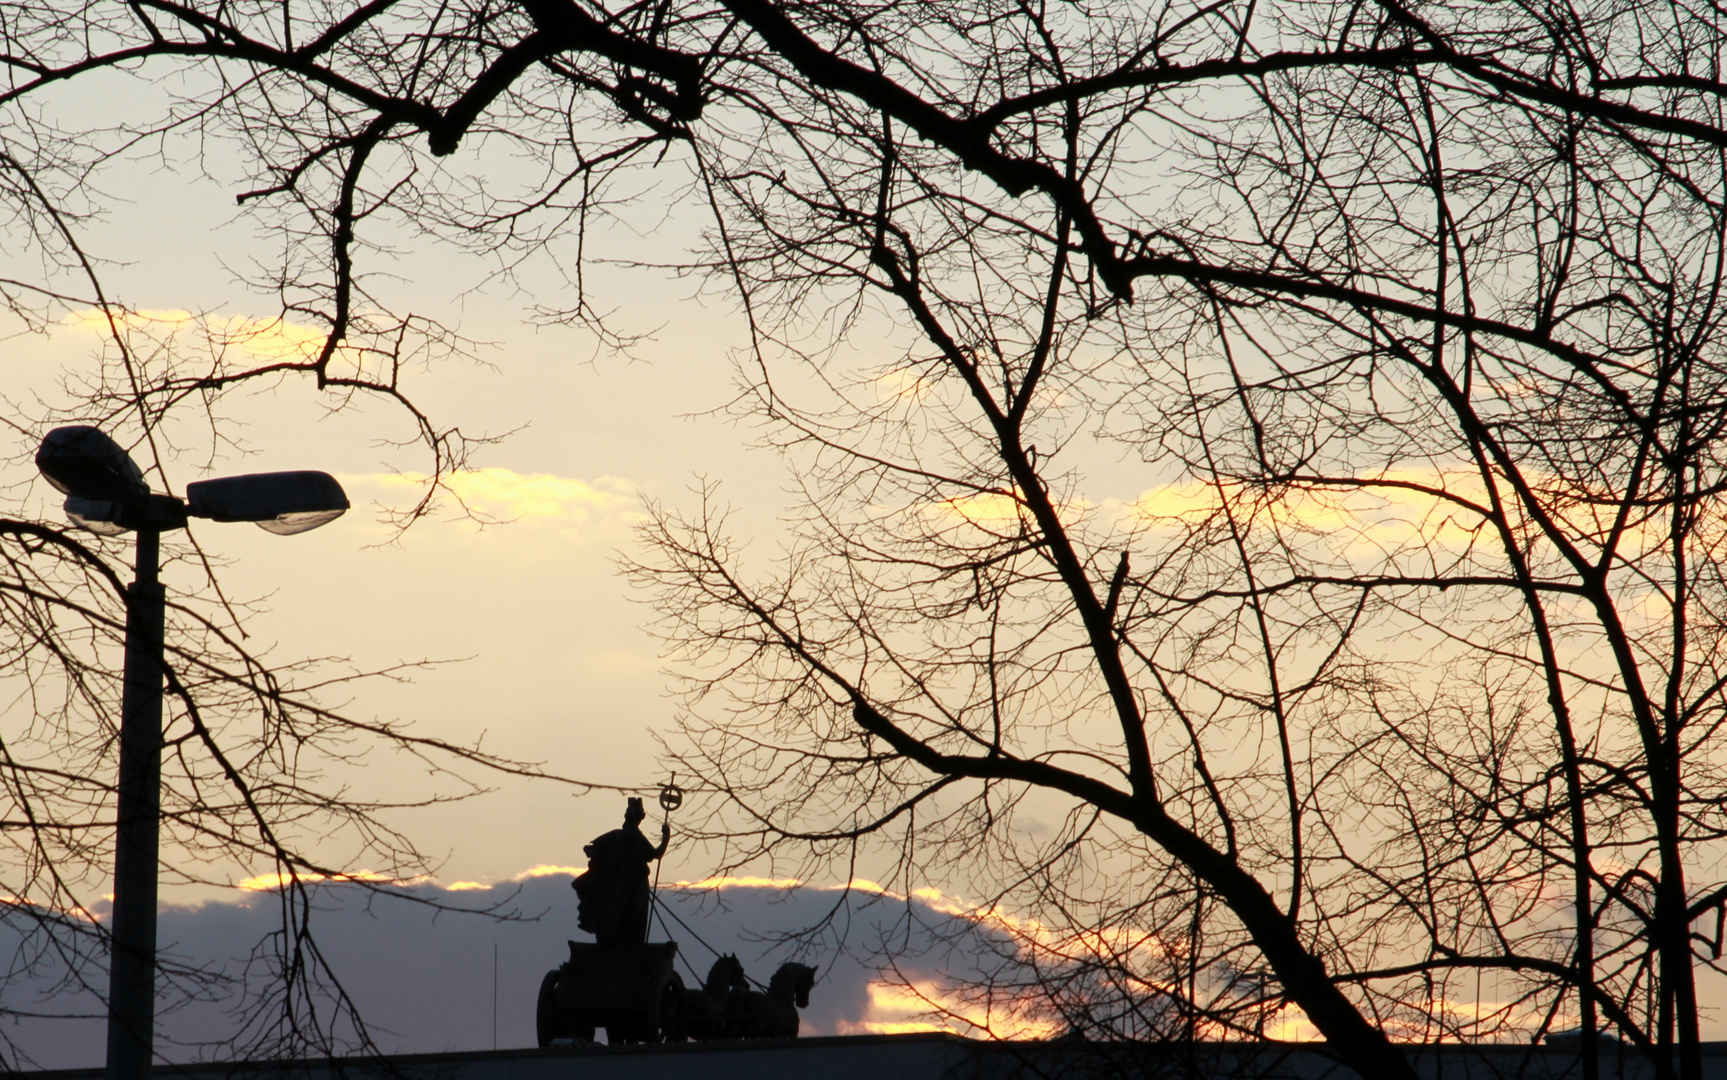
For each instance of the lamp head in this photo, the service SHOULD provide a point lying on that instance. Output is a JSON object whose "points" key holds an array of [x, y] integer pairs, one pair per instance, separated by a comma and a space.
{"points": [[283, 503], [106, 492], [104, 488], [82, 462]]}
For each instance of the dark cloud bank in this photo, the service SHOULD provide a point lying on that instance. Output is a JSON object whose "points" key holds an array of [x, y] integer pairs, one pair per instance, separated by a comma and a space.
{"points": [[423, 978]]}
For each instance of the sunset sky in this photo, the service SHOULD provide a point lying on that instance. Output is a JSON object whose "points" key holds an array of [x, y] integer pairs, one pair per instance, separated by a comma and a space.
{"points": [[554, 665], [549, 656], [519, 631]]}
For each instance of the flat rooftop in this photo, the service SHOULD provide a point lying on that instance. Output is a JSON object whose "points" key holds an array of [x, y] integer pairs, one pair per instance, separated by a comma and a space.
{"points": [[917, 1056]]}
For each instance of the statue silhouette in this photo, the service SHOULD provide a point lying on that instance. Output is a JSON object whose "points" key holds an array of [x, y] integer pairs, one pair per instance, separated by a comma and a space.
{"points": [[612, 894]]}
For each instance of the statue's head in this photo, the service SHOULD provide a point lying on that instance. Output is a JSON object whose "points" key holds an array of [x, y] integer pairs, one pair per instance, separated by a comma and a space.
{"points": [[634, 814]]}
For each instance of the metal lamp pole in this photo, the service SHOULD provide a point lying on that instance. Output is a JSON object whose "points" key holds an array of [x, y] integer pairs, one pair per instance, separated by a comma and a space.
{"points": [[132, 963], [107, 494]]}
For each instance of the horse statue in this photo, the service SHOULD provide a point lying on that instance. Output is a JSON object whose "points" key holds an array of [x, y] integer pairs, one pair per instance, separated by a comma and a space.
{"points": [[701, 1012], [773, 1015]]}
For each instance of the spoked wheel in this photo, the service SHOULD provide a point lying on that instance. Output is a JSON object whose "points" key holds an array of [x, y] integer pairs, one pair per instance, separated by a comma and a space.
{"points": [[657, 1023], [671, 1004], [550, 1024], [546, 1010]]}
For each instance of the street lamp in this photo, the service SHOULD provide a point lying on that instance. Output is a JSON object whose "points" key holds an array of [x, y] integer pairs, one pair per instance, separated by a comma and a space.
{"points": [[106, 493]]}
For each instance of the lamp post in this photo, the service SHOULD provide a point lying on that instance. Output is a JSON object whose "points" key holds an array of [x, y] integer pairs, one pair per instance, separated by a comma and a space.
{"points": [[106, 494]]}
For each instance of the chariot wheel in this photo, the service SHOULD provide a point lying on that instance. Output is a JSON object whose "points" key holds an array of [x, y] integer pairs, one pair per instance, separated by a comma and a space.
{"points": [[549, 1024], [670, 1020], [546, 1010], [658, 1022]]}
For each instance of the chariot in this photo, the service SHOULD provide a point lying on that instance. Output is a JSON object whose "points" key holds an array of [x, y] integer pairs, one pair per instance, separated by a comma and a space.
{"points": [[629, 989]]}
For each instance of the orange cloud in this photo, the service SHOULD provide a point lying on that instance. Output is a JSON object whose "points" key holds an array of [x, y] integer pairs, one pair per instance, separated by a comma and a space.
{"points": [[926, 1006], [1382, 515], [8, 900], [739, 883], [547, 870], [281, 880], [261, 340], [903, 384], [509, 495]]}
